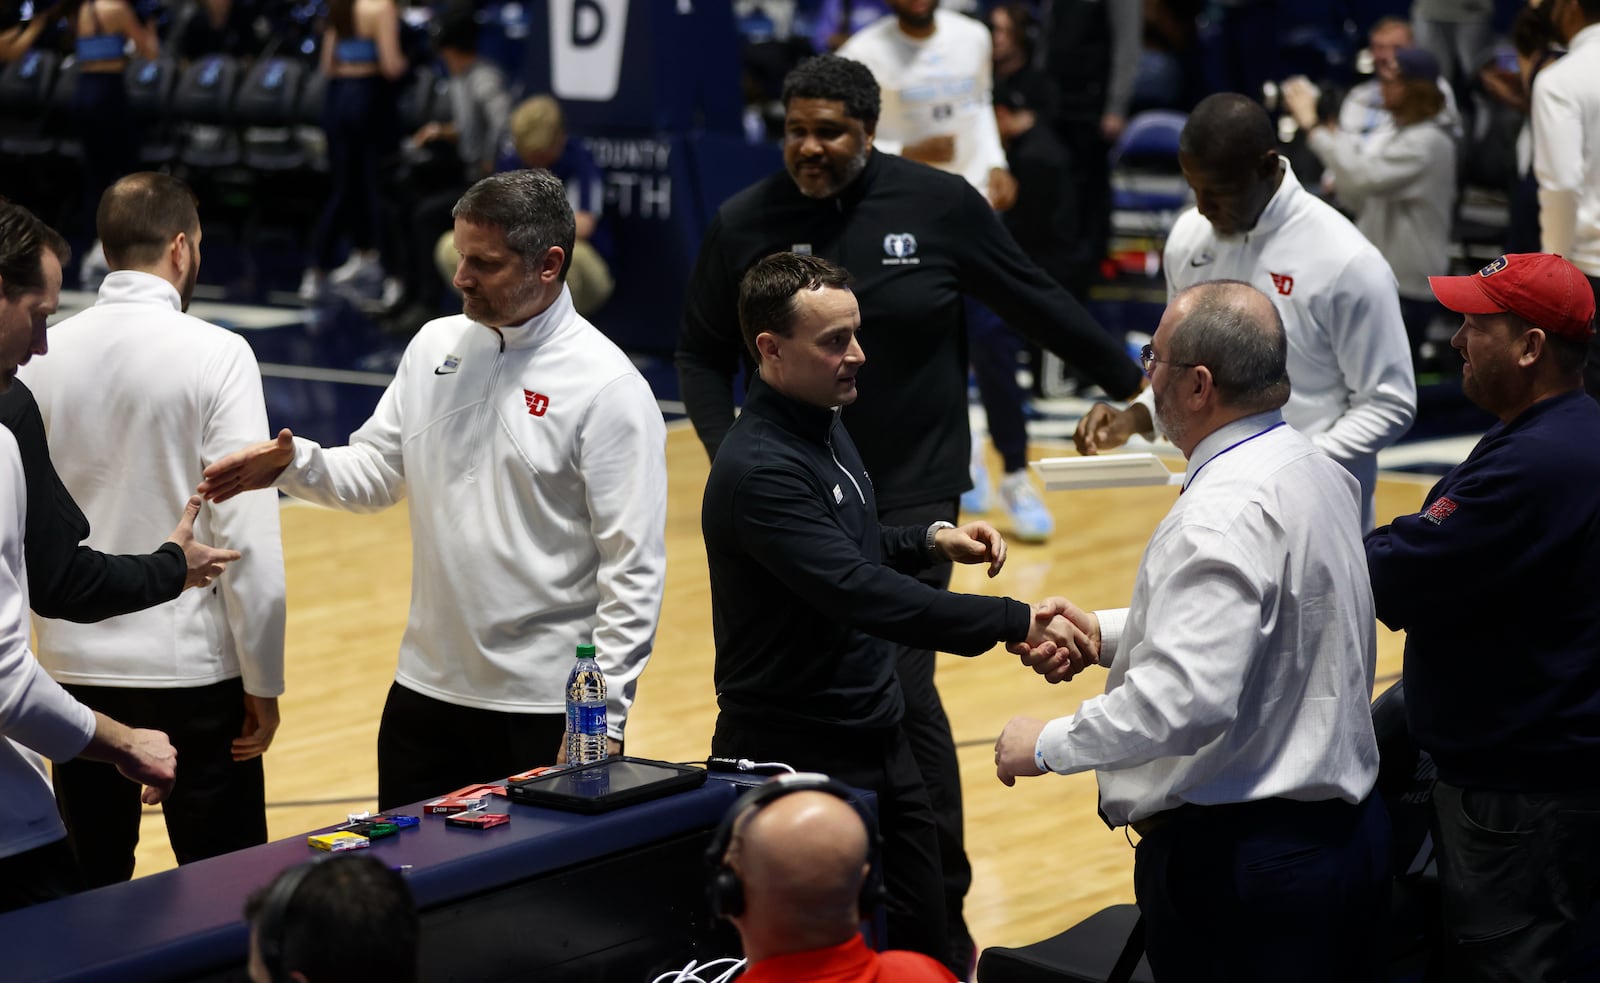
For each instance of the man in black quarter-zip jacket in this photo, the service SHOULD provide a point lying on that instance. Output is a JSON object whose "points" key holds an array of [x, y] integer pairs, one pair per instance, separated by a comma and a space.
{"points": [[916, 239], [808, 591]]}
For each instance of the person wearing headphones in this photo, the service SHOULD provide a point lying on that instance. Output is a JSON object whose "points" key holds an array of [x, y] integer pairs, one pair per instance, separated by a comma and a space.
{"points": [[346, 918], [793, 871]]}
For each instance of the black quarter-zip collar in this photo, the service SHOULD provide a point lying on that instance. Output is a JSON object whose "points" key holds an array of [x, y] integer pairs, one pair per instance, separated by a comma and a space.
{"points": [[813, 423]]}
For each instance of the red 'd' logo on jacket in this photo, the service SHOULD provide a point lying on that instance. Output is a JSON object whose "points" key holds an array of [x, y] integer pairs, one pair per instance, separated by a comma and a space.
{"points": [[537, 402], [1283, 282]]}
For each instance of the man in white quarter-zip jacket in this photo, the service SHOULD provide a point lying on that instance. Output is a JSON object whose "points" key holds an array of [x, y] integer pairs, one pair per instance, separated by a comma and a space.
{"points": [[137, 398], [535, 459], [1349, 363]]}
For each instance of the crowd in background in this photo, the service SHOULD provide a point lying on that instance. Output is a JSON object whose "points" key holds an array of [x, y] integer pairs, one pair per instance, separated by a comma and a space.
{"points": [[1085, 69]]}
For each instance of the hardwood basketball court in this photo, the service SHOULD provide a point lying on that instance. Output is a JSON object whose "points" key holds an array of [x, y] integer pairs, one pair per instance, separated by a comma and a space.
{"points": [[1042, 860]]}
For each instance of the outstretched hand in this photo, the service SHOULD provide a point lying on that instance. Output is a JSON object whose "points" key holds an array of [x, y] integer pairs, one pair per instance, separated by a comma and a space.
{"points": [[204, 562], [257, 466], [1105, 427], [975, 542]]}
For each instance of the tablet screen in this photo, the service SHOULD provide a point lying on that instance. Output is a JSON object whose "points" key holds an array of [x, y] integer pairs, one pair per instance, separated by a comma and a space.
{"points": [[607, 784]]}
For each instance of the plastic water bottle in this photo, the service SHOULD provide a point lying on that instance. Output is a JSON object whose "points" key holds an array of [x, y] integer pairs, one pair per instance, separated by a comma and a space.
{"points": [[586, 710]]}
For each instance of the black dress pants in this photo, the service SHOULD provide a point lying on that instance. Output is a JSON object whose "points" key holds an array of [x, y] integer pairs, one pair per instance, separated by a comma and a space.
{"points": [[427, 747], [1266, 891], [878, 760], [927, 728], [217, 805]]}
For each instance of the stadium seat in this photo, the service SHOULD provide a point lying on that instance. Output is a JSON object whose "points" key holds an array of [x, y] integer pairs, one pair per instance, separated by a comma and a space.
{"points": [[150, 84], [1145, 176], [203, 104], [26, 85], [268, 110]]}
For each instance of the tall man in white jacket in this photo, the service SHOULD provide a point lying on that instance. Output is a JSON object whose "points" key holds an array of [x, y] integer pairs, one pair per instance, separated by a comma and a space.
{"points": [[137, 398], [535, 458], [1353, 388], [38, 717]]}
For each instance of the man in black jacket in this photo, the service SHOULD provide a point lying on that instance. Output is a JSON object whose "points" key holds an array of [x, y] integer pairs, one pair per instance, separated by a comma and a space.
{"points": [[916, 239], [74, 582], [809, 594]]}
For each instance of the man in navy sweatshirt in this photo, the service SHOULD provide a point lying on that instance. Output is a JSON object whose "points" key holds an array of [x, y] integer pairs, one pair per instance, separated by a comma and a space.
{"points": [[1493, 582]]}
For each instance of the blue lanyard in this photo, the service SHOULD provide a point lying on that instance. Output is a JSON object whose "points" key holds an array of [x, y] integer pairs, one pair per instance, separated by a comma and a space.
{"points": [[1225, 450]]}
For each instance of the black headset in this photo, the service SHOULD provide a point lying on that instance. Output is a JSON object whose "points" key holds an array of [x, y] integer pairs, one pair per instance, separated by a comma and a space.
{"points": [[272, 916], [726, 891]]}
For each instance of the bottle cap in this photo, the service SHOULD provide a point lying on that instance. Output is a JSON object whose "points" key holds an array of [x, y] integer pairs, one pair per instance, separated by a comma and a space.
{"points": [[585, 651]]}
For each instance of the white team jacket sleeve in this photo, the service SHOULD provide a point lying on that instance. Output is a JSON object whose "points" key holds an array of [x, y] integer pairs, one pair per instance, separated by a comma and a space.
{"points": [[253, 587], [366, 476], [1362, 319], [34, 710], [622, 456], [1557, 162]]}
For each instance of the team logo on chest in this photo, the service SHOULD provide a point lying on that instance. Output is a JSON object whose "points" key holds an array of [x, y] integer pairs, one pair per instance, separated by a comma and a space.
{"points": [[1283, 282], [900, 249], [537, 402]]}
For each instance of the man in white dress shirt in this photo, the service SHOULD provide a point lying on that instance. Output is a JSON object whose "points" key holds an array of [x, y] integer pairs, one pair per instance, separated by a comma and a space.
{"points": [[137, 398], [1354, 391], [1234, 734]]}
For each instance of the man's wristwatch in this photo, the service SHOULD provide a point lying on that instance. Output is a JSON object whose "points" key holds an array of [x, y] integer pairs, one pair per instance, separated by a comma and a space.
{"points": [[928, 544]]}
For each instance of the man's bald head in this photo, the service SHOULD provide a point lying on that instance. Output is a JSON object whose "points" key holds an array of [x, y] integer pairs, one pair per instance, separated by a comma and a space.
{"points": [[1235, 331], [802, 860]]}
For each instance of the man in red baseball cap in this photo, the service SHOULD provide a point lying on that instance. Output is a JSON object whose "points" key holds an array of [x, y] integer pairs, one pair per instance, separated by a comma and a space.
{"points": [[1493, 582]]}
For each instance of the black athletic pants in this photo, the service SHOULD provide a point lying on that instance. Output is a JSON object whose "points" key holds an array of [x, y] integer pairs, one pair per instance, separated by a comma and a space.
{"points": [[217, 805], [427, 747], [927, 729]]}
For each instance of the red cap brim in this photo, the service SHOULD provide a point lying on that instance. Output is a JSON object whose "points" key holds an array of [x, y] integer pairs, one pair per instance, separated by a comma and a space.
{"points": [[1464, 295]]}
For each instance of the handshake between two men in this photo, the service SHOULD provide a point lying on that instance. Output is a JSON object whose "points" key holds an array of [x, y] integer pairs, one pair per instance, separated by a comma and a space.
{"points": [[1063, 641]]}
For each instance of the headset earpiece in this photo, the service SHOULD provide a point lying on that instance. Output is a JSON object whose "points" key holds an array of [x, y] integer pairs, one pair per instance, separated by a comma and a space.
{"points": [[725, 891], [273, 916]]}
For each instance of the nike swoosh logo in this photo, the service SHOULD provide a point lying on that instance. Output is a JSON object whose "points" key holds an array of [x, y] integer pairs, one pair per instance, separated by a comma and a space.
{"points": [[1202, 260], [444, 371]]}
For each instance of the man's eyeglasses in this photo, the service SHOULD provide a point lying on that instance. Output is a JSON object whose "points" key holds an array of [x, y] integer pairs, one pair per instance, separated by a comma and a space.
{"points": [[1147, 358]]}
